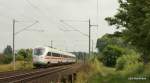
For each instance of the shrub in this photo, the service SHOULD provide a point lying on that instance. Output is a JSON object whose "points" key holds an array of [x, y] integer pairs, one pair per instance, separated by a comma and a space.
{"points": [[7, 59], [130, 63], [110, 55], [2, 58], [19, 58]]}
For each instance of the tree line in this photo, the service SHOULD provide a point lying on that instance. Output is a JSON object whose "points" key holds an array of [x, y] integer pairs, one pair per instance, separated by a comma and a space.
{"points": [[21, 55]]}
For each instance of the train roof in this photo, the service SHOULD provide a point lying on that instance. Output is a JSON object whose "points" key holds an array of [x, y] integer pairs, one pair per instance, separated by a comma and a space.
{"points": [[55, 50]]}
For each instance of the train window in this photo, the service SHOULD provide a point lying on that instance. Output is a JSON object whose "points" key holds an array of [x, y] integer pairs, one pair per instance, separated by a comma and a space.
{"points": [[39, 51], [65, 56], [55, 55], [49, 54]]}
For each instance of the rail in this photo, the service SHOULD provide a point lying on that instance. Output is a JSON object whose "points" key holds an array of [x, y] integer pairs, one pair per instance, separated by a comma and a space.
{"points": [[34, 74]]}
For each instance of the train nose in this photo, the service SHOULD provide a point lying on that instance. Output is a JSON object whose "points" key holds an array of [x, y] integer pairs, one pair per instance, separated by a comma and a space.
{"points": [[38, 58]]}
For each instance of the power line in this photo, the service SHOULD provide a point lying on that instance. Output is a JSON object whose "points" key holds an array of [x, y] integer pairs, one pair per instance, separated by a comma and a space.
{"points": [[35, 30], [25, 28], [76, 20], [58, 24], [35, 7], [74, 29]]}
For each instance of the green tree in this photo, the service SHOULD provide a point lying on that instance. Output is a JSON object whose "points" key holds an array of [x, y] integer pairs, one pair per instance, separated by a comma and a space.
{"points": [[110, 47], [134, 17], [8, 50], [110, 55], [22, 52], [7, 58], [29, 54], [25, 54], [110, 39]]}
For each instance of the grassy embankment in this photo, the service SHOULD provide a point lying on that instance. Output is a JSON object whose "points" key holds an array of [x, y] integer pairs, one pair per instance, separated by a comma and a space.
{"points": [[20, 65], [95, 72]]}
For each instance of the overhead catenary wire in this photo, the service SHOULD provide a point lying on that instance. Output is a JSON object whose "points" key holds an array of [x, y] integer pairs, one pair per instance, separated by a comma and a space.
{"points": [[50, 19], [58, 23], [35, 30], [26, 28], [74, 29], [77, 20], [64, 30]]}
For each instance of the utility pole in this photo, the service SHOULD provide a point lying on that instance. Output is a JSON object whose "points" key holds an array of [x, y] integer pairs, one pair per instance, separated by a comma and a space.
{"points": [[14, 57], [89, 37], [14, 33], [51, 43]]}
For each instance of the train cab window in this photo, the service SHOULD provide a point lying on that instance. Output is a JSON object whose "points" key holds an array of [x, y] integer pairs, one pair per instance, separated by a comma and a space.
{"points": [[39, 51]]}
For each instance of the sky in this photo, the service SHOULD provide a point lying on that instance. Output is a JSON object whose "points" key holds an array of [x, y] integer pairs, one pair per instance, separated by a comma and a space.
{"points": [[65, 22]]}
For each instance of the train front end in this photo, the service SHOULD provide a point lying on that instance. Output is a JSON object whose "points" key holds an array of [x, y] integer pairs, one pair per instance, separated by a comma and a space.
{"points": [[39, 56]]}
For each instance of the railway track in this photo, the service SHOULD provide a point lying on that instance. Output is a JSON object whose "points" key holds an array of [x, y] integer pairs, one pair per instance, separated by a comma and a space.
{"points": [[24, 77]]}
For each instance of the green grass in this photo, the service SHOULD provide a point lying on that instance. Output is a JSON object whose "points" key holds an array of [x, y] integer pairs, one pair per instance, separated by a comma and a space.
{"points": [[95, 72], [19, 66]]}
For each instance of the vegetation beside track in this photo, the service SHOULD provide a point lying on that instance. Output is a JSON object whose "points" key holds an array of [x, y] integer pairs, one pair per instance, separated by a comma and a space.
{"points": [[20, 65], [95, 72]]}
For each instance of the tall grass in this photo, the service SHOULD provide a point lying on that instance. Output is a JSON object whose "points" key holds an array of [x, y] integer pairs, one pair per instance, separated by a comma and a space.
{"points": [[20, 65], [95, 72]]}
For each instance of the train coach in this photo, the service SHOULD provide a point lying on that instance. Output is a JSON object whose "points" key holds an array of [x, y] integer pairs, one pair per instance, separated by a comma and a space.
{"points": [[44, 56]]}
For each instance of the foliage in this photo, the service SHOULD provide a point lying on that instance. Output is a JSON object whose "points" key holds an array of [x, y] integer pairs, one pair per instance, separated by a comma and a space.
{"points": [[88, 70], [24, 54], [130, 63], [110, 55], [105, 74], [110, 47], [8, 50], [110, 39], [19, 57], [134, 17], [6, 57]]}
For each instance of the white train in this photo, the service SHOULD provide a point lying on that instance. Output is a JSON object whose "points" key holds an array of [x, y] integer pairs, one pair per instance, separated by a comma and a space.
{"points": [[43, 56]]}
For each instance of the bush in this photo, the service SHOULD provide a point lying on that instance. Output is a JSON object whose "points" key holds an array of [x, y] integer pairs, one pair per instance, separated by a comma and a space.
{"points": [[2, 58], [110, 55], [19, 58], [6, 59], [130, 63]]}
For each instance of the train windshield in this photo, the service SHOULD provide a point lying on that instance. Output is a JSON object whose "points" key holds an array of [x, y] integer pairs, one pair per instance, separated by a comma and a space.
{"points": [[39, 51]]}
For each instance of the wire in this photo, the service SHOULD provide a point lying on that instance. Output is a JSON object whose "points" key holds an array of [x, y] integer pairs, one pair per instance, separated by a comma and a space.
{"points": [[74, 29], [76, 20], [35, 7], [58, 24], [26, 28], [35, 30], [39, 10]]}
